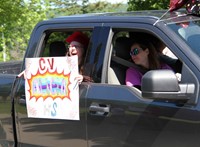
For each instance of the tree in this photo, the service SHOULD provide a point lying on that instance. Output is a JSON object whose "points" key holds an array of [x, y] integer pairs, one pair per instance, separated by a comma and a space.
{"points": [[66, 7], [19, 17], [8, 12], [70, 7], [17, 21], [105, 7], [134, 5]]}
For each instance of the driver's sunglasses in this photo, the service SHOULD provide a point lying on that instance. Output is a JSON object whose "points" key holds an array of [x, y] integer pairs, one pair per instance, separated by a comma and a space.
{"points": [[134, 52]]}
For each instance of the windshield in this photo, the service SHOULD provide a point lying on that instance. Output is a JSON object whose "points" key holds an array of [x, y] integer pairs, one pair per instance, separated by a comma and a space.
{"points": [[188, 30]]}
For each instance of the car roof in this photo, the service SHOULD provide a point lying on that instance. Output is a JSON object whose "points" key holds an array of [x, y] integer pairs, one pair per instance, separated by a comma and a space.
{"points": [[148, 16]]}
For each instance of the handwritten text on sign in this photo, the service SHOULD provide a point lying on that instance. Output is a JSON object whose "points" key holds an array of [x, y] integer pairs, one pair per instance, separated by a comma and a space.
{"points": [[51, 90]]}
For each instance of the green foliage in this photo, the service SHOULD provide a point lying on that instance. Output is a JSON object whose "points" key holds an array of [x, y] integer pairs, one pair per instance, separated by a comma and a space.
{"points": [[134, 5], [17, 21], [105, 7], [19, 17], [57, 7], [72, 7]]}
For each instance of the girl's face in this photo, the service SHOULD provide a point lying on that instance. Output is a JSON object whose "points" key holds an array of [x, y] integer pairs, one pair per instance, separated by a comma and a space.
{"points": [[76, 48], [139, 56]]}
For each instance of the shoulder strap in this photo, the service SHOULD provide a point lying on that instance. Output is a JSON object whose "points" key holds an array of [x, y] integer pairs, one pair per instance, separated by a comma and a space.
{"points": [[127, 63]]}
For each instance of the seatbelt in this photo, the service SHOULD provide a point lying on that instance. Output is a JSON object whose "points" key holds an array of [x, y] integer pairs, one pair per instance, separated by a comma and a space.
{"points": [[127, 63]]}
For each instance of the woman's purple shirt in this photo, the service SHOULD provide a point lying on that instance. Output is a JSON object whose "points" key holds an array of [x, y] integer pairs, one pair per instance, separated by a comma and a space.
{"points": [[134, 76]]}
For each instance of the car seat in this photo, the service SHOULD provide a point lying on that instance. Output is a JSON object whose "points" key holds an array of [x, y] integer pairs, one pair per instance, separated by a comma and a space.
{"points": [[120, 61], [57, 48]]}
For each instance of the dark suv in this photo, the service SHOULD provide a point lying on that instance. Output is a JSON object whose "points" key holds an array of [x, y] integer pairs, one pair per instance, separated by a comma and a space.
{"points": [[165, 112]]}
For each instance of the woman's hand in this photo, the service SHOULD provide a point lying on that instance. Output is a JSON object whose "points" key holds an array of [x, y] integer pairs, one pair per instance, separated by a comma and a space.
{"points": [[87, 79], [72, 51], [178, 76], [79, 78]]}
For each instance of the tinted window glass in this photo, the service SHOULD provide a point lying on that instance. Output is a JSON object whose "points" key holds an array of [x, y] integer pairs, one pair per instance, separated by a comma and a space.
{"points": [[190, 32]]}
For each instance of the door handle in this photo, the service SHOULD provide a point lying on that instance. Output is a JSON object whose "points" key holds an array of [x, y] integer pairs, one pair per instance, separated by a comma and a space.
{"points": [[99, 109]]}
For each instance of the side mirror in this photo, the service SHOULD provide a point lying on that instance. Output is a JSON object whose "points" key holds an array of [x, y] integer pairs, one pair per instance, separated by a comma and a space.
{"points": [[163, 84]]}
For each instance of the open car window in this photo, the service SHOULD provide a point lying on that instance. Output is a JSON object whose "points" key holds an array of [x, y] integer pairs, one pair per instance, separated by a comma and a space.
{"points": [[121, 59]]}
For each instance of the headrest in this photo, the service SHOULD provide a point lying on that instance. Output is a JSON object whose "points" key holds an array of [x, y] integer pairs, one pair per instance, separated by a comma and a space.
{"points": [[122, 47], [57, 48]]}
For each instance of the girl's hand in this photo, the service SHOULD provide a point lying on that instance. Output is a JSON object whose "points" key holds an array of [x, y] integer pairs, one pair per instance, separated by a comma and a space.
{"points": [[79, 78], [87, 79]]}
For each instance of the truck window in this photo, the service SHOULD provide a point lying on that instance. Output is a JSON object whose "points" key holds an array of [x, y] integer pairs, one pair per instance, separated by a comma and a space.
{"points": [[55, 43], [121, 59], [189, 33]]}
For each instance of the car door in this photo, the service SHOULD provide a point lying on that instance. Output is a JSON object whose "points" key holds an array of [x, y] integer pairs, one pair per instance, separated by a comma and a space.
{"points": [[119, 116], [42, 131], [112, 110], [8, 72], [6, 128]]}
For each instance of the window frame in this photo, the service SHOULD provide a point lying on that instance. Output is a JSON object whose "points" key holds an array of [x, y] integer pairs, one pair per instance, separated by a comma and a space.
{"points": [[171, 44]]}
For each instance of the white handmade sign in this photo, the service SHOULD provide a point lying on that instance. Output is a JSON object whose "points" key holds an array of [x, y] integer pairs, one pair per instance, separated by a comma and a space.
{"points": [[51, 87]]}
